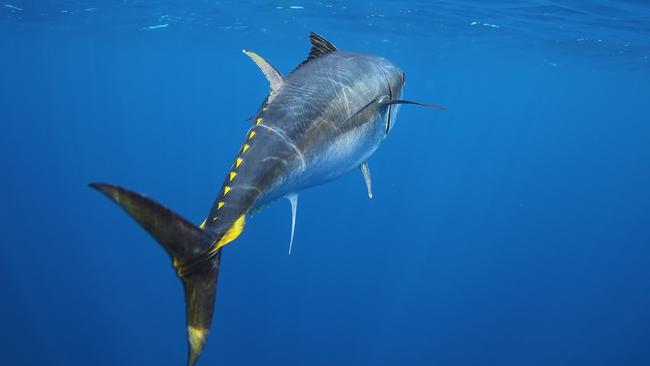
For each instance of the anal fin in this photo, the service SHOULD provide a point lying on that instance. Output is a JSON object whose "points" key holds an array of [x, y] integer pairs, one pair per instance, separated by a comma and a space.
{"points": [[365, 171], [293, 199]]}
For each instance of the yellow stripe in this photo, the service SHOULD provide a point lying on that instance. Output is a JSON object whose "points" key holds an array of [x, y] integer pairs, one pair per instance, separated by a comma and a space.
{"points": [[220, 205], [246, 147], [238, 162], [232, 176], [226, 189], [232, 233], [251, 135]]}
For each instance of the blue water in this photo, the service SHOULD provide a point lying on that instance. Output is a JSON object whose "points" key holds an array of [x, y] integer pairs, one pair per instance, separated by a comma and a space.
{"points": [[511, 229]]}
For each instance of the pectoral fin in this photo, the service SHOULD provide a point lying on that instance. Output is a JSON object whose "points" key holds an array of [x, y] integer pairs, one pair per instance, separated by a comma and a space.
{"points": [[365, 170], [423, 104], [367, 110], [293, 199]]}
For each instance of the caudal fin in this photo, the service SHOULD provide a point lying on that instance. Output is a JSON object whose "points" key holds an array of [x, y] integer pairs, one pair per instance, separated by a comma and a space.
{"points": [[190, 250]]}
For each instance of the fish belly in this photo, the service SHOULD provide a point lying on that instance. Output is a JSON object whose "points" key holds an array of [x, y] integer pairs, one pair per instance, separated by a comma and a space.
{"points": [[341, 154]]}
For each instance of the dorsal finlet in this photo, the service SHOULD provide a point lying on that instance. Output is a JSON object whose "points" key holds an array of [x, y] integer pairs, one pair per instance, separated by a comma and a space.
{"points": [[319, 46], [272, 74]]}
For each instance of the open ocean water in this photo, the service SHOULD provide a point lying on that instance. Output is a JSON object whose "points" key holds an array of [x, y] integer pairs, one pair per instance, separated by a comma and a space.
{"points": [[511, 229]]}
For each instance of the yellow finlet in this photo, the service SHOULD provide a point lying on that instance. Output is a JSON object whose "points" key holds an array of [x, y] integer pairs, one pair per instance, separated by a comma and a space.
{"points": [[232, 176], [226, 189], [246, 147], [251, 135], [238, 162], [215, 218], [259, 120], [232, 233], [220, 205], [202, 226]]}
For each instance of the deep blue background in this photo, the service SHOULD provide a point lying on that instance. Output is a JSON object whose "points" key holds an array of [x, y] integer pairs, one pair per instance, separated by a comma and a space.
{"points": [[511, 229]]}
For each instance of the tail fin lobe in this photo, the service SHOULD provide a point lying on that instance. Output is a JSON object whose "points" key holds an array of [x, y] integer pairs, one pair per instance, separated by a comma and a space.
{"points": [[200, 291], [192, 254]]}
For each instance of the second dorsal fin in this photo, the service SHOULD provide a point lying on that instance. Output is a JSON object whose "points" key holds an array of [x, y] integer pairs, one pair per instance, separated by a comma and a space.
{"points": [[272, 74], [319, 46]]}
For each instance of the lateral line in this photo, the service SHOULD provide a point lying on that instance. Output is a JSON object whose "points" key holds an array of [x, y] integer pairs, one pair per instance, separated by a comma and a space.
{"points": [[287, 140]]}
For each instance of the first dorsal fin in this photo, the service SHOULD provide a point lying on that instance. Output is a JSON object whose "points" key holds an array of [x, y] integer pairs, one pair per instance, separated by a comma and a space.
{"points": [[319, 46]]}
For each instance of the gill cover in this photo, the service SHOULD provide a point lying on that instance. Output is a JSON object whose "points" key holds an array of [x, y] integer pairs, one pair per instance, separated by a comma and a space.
{"points": [[190, 251]]}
